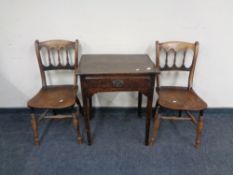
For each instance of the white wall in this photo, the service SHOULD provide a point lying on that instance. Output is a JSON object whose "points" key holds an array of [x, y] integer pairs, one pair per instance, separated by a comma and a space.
{"points": [[116, 26]]}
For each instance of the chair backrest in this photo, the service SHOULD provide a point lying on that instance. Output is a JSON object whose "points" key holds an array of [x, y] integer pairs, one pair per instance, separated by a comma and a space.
{"points": [[59, 55], [176, 47]]}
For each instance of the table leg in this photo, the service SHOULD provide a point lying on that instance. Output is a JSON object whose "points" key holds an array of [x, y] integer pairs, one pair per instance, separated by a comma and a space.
{"points": [[148, 116], [90, 103], [86, 106], [139, 103]]}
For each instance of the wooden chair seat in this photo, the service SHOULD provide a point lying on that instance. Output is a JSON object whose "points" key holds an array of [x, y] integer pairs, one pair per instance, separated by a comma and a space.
{"points": [[180, 98], [54, 97]]}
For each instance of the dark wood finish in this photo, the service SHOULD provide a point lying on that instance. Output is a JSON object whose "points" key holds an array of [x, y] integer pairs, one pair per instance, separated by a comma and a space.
{"points": [[139, 103], [109, 73], [115, 64], [178, 98], [56, 97]]}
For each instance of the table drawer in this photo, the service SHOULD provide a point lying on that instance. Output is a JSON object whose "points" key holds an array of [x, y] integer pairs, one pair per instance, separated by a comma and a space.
{"points": [[119, 82]]}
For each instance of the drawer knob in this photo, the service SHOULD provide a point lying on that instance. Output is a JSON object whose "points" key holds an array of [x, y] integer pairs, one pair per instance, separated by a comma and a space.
{"points": [[117, 83]]}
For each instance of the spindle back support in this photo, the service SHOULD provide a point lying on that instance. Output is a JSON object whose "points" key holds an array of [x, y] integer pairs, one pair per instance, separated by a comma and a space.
{"points": [[175, 47], [57, 55]]}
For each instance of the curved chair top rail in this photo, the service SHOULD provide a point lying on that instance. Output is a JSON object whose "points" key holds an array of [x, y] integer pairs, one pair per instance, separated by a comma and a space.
{"points": [[56, 44], [177, 45]]}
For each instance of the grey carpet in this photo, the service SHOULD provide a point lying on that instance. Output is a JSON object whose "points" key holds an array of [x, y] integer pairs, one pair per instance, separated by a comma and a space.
{"points": [[118, 147]]}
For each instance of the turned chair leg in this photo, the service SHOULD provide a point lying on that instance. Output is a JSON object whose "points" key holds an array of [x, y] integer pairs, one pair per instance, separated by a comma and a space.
{"points": [[77, 128], [199, 130], [35, 129], [156, 126], [79, 105], [139, 103], [155, 108]]}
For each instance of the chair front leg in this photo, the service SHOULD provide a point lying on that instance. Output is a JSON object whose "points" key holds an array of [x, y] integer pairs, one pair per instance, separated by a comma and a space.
{"points": [[155, 108], [199, 130], [156, 126], [34, 124], [79, 105], [77, 128]]}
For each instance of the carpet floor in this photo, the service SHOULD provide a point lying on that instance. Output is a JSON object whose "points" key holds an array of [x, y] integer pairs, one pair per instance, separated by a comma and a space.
{"points": [[118, 147]]}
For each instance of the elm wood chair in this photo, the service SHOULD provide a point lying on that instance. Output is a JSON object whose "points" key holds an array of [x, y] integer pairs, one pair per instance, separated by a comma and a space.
{"points": [[174, 97], [56, 98]]}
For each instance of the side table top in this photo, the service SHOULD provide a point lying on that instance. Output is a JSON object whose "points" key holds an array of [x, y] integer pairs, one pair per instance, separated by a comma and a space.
{"points": [[104, 64]]}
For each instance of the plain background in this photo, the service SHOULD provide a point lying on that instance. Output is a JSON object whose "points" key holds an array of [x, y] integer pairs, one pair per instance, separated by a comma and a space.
{"points": [[116, 26]]}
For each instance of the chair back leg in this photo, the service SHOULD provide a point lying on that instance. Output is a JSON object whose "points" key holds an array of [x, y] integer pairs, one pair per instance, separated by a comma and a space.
{"points": [[77, 128]]}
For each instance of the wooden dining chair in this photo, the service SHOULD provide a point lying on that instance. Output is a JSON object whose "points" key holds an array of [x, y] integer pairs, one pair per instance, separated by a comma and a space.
{"points": [[181, 99], [56, 56]]}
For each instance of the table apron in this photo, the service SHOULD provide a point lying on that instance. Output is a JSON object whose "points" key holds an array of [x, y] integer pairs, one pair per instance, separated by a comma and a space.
{"points": [[120, 83]]}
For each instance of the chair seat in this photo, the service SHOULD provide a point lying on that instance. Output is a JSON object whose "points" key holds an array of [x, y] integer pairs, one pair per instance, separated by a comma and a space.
{"points": [[54, 97], [180, 98]]}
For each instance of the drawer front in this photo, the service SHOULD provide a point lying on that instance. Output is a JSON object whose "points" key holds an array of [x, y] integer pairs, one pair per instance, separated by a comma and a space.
{"points": [[119, 82]]}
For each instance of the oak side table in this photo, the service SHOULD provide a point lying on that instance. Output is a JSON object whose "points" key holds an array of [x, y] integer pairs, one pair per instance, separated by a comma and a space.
{"points": [[111, 73]]}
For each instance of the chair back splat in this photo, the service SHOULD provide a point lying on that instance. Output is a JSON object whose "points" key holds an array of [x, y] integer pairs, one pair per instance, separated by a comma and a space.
{"points": [[173, 48], [56, 55]]}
